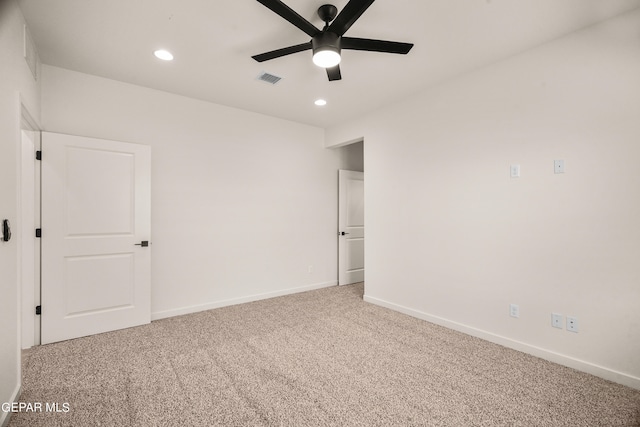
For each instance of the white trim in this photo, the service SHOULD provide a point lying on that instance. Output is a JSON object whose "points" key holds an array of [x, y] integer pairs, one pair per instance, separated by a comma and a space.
{"points": [[5, 417], [28, 209], [561, 359], [344, 144], [27, 122], [241, 300], [26, 308]]}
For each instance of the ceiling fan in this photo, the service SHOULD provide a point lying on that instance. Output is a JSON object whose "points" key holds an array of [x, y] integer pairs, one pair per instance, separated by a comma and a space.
{"points": [[327, 43]]}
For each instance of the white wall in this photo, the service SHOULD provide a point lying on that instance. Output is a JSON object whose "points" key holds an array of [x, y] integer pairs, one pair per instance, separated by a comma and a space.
{"points": [[16, 86], [242, 204], [453, 239], [352, 156]]}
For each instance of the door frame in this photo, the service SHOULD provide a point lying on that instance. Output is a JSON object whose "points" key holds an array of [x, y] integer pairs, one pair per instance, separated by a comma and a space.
{"points": [[29, 220], [349, 161]]}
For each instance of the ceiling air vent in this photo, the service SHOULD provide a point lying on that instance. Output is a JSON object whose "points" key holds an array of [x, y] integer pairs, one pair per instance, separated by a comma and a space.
{"points": [[268, 78]]}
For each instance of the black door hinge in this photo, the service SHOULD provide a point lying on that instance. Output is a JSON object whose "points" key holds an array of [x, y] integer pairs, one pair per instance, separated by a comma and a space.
{"points": [[38, 309], [38, 232], [38, 155]]}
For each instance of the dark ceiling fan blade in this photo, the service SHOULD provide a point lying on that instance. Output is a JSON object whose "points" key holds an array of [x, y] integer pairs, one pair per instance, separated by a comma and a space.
{"points": [[290, 15], [334, 73], [349, 14], [375, 45], [282, 52]]}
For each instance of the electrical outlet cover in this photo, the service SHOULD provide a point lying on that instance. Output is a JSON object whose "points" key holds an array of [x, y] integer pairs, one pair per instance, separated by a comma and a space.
{"points": [[558, 166], [572, 324], [556, 320]]}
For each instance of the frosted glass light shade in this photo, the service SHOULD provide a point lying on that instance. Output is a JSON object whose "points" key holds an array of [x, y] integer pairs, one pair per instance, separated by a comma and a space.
{"points": [[326, 58]]}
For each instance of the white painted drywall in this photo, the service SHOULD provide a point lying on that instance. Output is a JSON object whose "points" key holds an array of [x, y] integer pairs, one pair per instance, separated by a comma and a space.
{"points": [[16, 85], [242, 203], [352, 156], [453, 239]]}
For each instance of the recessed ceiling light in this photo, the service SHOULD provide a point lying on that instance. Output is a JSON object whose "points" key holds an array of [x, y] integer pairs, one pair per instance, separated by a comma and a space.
{"points": [[165, 55], [320, 102]]}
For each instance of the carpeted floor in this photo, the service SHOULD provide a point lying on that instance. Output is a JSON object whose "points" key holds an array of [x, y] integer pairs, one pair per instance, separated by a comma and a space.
{"points": [[319, 358]]}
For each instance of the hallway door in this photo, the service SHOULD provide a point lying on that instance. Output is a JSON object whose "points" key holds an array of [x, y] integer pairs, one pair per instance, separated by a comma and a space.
{"points": [[351, 227]]}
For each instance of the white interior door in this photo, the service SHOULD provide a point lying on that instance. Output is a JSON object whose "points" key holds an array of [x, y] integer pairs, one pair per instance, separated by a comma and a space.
{"points": [[351, 227], [95, 209]]}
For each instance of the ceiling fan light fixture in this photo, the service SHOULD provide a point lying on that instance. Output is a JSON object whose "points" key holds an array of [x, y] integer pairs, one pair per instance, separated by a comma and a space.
{"points": [[326, 49], [327, 43]]}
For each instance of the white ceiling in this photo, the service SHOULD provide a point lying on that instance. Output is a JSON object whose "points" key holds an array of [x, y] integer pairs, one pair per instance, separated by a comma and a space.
{"points": [[213, 41]]}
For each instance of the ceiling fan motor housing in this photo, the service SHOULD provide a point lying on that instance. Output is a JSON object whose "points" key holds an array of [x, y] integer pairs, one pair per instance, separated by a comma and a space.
{"points": [[326, 40]]}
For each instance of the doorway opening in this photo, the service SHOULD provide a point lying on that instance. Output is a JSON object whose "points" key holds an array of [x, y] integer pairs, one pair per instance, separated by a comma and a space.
{"points": [[351, 214]]}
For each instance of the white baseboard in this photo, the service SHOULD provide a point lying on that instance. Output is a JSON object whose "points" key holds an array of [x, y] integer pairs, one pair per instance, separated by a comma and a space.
{"points": [[5, 417], [233, 301], [561, 359]]}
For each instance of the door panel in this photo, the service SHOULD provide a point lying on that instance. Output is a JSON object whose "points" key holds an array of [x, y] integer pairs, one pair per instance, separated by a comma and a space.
{"points": [[351, 222], [355, 201], [86, 295], [355, 255], [97, 203], [95, 208]]}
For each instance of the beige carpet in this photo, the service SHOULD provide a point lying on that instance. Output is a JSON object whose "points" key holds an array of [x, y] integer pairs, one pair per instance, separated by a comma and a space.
{"points": [[319, 358]]}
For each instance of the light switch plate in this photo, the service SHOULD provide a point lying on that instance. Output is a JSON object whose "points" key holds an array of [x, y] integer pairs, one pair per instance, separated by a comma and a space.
{"points": [[514, 310]]}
